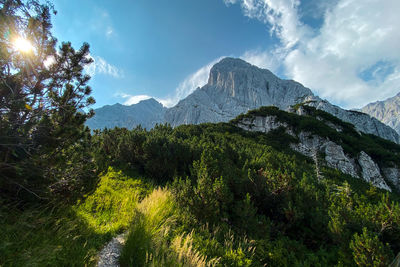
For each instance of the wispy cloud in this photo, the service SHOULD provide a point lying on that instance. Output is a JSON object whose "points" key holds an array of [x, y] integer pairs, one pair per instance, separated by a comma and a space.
{"points": [[355, 35], [101, 66], [101, 22], [189, 84], [263, 59], [132, 99]]}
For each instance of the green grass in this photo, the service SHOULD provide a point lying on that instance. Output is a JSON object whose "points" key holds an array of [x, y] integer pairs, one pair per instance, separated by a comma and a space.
{"points": [[65, 235], [155, 238], [146, 243]]}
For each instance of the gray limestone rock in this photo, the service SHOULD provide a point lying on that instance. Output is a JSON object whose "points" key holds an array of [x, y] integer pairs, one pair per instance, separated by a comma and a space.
{"points": [[235, 87], [262, 124], [337, 159], [387, 111], [371, 172], [393, 175]]}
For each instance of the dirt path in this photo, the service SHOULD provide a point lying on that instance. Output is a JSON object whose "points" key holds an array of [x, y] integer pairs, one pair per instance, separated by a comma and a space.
{"points": [[109, 255]]}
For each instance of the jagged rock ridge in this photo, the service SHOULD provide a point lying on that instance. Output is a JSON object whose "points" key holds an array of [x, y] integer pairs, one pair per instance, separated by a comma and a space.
{"points": [[387, 111], [235, 87]]}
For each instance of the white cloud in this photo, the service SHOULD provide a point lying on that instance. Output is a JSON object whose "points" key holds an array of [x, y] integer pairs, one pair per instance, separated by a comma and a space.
{"points": [[132, 99], [229, 2], [263, 59], [355, 35], [191, 83], [101, 66]]}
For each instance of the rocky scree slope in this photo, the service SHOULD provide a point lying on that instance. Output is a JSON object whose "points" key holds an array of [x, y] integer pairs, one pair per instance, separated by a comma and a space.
{"points": [[387, 111], [331, 142]]}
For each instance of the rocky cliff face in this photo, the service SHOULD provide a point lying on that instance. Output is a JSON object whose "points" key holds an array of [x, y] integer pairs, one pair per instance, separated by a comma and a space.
{"points": [[235, 87], [146, 113], [387, 111], [361, 166]]}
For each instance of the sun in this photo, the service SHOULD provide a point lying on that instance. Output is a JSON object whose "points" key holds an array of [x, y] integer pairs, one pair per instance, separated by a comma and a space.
{"points": [[23, 45]]}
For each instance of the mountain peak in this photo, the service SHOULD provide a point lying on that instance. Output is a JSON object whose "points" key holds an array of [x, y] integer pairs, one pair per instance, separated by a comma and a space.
{"points": [[231, 73], [149, 101], [231, 63]]}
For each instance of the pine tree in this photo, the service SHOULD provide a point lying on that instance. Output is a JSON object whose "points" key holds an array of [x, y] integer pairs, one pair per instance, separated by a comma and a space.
{"points": [[42, 93]]}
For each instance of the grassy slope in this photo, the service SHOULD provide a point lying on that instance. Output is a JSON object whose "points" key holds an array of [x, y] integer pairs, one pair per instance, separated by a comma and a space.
{"points": [[65, 235]]}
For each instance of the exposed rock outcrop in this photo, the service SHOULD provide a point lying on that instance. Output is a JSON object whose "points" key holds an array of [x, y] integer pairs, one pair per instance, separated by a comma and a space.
{"points": [[371, 172], [363, 122], [310, 144], [393, 176]]}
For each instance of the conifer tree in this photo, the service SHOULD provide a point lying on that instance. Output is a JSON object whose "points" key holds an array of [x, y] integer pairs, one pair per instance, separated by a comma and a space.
{"points": [[42, 93]]}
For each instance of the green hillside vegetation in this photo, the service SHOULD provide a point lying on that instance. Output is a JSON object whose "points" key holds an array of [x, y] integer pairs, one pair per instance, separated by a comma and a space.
{"points": [[353, 142], [214, 195]]}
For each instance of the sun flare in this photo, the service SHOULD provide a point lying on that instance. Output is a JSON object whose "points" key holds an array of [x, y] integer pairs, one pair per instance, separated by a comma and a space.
{"points": [[23, 45]]}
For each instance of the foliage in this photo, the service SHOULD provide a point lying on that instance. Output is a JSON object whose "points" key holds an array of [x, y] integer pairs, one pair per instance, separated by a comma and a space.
{"points": [[46, 235], [369, 251], [242, 202], [316, 122], [110, 208], [41, 123]]}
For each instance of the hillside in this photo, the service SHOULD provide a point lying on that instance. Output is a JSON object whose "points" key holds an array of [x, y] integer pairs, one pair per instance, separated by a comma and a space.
{"points": [[227, 194]]}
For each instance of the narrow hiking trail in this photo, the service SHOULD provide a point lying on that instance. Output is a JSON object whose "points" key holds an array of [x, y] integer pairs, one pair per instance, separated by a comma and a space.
{"points": [[109, 255]]}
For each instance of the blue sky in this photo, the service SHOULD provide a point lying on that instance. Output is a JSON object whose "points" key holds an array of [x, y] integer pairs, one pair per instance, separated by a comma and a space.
{"points": [[164, 49]]}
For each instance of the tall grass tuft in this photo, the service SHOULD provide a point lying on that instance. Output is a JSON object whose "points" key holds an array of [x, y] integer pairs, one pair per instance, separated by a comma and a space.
{"points": [[154, 238], [153, 220], [187, 255]]}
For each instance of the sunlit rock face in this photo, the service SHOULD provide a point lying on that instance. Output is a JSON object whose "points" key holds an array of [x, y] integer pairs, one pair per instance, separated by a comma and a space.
{"points": [[387, 111], [235, 86]]}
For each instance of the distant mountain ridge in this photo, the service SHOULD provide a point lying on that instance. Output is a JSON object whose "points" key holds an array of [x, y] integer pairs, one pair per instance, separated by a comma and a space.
{"points": [[235, 87], [387, 111], [146, 113]]}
